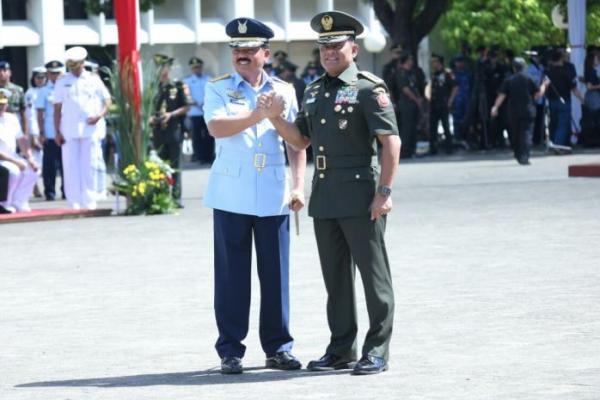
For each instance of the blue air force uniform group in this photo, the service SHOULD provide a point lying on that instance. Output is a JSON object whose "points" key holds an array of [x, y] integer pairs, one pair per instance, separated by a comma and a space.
{"points": [[249, 191]]}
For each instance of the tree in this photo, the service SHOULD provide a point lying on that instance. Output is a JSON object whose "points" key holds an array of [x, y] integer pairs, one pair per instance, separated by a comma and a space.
{"points": [[512, 24], [409, 21]]}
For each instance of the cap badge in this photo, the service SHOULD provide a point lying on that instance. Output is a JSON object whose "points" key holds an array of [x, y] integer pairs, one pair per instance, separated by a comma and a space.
{"points": [[327, 22], [242, 28]]}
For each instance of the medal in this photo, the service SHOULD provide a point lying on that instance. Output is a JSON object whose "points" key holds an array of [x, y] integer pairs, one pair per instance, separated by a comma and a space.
{"points": [[343, 124]]}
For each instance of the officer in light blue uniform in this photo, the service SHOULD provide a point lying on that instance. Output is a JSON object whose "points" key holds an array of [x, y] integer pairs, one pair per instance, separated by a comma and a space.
{"points": [[203, 143], [52, 161], [249, 191]]}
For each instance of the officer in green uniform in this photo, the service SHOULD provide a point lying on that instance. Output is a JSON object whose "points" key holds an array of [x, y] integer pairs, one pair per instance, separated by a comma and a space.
{"points": [[16, 102], [171, 103], [343, 113]]}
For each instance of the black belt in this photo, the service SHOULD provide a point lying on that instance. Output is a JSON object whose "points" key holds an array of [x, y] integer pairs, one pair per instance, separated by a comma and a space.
{"points": [[323, 162]]}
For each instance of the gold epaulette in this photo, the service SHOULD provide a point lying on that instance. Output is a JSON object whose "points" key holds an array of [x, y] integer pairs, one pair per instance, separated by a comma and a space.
{"points": [[373, 78], [220, 78]]}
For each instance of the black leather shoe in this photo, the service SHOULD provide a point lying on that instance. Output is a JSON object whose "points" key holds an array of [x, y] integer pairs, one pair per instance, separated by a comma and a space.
{"points": [[369, 365], [330, 362], [231, 365], [283, 360]]}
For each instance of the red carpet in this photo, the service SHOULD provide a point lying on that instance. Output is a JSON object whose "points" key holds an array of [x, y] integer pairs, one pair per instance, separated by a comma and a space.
{"points": [[584, 170], [51, 214]]}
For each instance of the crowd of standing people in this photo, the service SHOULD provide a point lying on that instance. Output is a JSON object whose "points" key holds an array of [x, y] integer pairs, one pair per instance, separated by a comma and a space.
{"points": [[468, 88]]}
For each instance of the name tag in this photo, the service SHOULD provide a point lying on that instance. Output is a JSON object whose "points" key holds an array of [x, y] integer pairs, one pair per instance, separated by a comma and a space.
{"points": [[311, 100]]}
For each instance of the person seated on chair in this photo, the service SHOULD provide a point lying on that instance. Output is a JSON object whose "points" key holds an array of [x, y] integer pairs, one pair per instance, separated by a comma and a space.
{"points": [[22, 171]]}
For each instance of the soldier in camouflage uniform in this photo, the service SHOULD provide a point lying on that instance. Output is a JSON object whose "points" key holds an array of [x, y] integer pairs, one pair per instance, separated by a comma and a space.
{"points": [[171, 104], [16, 102], [343, 114]]}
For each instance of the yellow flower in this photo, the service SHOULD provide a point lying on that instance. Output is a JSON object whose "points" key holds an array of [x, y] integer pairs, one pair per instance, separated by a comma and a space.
{"points": [[154, 175], [142, 188], [150, 165], [130, 169]]}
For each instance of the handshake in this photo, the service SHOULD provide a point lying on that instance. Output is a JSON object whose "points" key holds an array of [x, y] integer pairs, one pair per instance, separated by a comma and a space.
{"points": [[270, 105]]}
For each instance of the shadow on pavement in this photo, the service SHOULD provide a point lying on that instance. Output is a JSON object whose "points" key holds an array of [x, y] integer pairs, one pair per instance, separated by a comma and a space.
{"points": [[211, 376]]}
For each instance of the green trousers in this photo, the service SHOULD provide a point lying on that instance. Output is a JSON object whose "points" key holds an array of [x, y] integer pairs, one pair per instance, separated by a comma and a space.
{"points": [[343, 244]]}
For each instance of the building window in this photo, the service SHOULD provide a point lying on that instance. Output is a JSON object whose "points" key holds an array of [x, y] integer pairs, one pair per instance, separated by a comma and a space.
{"points": [[14, 10]]}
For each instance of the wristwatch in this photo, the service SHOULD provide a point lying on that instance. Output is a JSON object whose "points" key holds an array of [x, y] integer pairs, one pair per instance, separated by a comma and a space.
{"points": [[384, 190]]}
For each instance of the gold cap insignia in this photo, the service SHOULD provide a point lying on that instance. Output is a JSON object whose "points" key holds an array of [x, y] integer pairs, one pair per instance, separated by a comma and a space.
{"points": [[242, 28], [327, 22]]}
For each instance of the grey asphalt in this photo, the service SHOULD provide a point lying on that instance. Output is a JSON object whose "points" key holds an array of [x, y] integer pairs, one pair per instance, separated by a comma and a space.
{"points": [[496, 269]]}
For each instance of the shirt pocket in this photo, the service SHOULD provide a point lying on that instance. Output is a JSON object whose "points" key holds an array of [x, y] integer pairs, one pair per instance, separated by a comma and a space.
{"points": [[236, 108]]}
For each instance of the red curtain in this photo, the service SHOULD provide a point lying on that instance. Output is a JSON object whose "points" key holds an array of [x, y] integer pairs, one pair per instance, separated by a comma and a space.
{"points": [[126, 15]]}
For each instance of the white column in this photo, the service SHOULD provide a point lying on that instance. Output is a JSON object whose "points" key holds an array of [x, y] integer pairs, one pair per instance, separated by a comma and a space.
{"points": [[1, 19], [577, 41], [192, 14], [282, 13], [325, 5], [244, 8], [47, 17]]}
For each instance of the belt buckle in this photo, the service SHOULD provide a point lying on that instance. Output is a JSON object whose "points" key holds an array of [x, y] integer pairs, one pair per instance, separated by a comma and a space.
{"points": [[321, 163], [260, 161]]}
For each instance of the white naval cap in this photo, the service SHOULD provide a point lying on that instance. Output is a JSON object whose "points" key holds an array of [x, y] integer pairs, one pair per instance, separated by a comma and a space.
{"points": [[38, 70], [76, 53]]}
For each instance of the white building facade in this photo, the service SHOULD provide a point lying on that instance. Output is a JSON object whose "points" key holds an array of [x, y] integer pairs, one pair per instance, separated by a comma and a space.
{"points": [[180, 28]]}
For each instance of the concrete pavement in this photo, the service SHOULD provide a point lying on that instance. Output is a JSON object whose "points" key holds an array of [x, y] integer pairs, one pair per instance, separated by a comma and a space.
{"points": [[496, 270]]}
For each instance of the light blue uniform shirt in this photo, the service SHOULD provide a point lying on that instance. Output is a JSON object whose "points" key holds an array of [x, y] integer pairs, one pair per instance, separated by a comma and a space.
{"points": [[196, 84], [537, 74], [45, 101], [248, 175]]}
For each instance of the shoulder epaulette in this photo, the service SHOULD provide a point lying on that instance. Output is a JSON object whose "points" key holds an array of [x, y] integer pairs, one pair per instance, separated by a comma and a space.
{"points": [[314, 82], [220, 78], [278, 79], [373, 78]]}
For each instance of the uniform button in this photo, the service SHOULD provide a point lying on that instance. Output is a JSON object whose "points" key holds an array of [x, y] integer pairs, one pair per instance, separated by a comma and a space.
{"points": [[321, 148], [322, 121], [321, 176], [357, 176], [326, 94]]}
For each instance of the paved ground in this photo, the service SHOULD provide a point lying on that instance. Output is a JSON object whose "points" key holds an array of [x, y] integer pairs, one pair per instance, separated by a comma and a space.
{"points": [[495, 267]]}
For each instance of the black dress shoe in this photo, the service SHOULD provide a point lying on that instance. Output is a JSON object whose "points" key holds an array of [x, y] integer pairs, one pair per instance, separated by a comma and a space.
{"points": [[283, 360], [330, 362], [231, 365], [369, 365], [5, 210]]}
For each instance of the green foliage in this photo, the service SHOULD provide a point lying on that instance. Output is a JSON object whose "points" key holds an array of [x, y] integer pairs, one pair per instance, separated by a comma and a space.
{"points": [[513, 24], [132, 140], [148, 187]]}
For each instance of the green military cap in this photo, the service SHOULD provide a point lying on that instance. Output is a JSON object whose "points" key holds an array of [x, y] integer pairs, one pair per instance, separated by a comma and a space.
{"points": [[4, 96], [335, 26], [163, 60], [194, 61]]}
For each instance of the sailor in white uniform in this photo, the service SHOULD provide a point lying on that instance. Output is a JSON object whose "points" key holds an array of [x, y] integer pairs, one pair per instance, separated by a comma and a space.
{"points": [[22, 169], [81, 101]]}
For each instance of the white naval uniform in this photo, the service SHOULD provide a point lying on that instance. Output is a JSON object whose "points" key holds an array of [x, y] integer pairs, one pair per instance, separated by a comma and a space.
{"points": [[81, 97], [248, 175], [31, 115], [20, 183]]}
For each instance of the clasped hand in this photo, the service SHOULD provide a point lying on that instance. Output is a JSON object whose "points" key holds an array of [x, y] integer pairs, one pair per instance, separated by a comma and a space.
{"points": [[270, 104]]}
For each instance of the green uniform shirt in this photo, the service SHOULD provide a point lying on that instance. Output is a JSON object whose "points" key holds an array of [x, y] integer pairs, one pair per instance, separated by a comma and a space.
{"points": [[342, 117], [16, 102]]}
